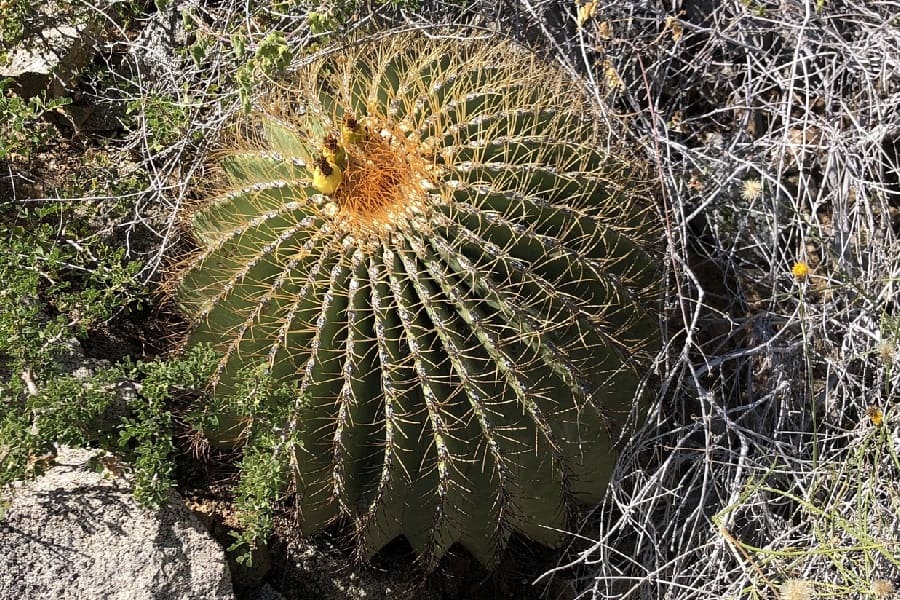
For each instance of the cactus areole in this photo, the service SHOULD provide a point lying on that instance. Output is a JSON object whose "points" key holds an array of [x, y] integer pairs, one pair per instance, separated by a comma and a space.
{"points": [[446, 250]]}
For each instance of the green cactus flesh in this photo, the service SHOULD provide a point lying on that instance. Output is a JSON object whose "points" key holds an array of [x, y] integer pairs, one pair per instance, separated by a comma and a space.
{"points": [[465, 320]]}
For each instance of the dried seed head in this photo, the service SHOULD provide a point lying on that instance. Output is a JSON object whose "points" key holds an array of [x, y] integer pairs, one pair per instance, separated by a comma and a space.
{"points": [[882, 589], [886, 350], [751, 190], [795, 589], [324, 167]]}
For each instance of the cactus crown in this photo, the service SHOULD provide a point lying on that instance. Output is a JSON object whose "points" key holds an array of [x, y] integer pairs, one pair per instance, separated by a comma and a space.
{"points": [[464, 309]]}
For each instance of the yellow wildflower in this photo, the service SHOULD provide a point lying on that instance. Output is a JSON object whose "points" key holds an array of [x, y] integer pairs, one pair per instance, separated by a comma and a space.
{"points": [[800, 270], [876, 415]]}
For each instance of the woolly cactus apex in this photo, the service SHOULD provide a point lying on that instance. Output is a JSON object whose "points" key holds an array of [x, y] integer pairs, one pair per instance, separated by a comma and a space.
{"points": [[464, 318]]}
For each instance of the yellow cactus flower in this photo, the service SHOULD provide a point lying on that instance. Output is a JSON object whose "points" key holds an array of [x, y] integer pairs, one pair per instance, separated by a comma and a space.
{"points": [[326, 176]]}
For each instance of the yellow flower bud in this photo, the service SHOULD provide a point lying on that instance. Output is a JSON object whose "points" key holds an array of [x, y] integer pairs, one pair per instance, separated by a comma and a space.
{"points": [[326, 176], [352, 132], [333, 151], [876, 415]]}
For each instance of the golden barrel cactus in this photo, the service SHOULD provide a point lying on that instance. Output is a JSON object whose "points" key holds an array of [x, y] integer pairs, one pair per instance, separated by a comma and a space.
{"points": [[445, 251]]}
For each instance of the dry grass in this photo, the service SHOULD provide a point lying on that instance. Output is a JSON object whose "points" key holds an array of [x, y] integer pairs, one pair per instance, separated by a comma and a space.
{"points": [[772, 452]]}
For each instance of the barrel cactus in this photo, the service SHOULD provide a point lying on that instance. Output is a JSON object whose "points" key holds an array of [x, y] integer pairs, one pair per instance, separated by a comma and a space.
{"points": [[445, 252]]}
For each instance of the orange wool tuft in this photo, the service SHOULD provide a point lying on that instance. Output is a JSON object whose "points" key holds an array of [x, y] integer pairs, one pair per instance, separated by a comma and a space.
{"points": [[382, 184]]}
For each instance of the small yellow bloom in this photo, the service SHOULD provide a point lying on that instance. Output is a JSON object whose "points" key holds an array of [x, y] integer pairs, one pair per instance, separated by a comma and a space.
{"points": [[800, 270], [876, 415], [352, 132], [333, 151]]}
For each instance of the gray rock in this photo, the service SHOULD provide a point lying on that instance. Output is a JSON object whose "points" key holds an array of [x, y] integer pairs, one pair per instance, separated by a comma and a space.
{"points": [[57, 45], [267, 592], [156, 48], [78, 534]]}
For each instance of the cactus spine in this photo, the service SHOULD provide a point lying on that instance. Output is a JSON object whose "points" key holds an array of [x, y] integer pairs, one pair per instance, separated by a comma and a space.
{"points": [[464, 308]]}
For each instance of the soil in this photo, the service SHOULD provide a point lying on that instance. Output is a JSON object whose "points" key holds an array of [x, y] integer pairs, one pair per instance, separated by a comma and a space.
{"points": [[321, 568]]}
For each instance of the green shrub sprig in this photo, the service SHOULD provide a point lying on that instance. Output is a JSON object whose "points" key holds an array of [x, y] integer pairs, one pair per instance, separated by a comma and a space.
{"points": [[53, 291]]}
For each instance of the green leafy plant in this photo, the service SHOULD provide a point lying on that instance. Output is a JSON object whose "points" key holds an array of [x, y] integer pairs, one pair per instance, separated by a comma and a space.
{"points": [[55, 288], [163, 119], [89, 411], [22, 129], [271, 58], [265, 474], [12, 19], [447, 258], [326, 18]]}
